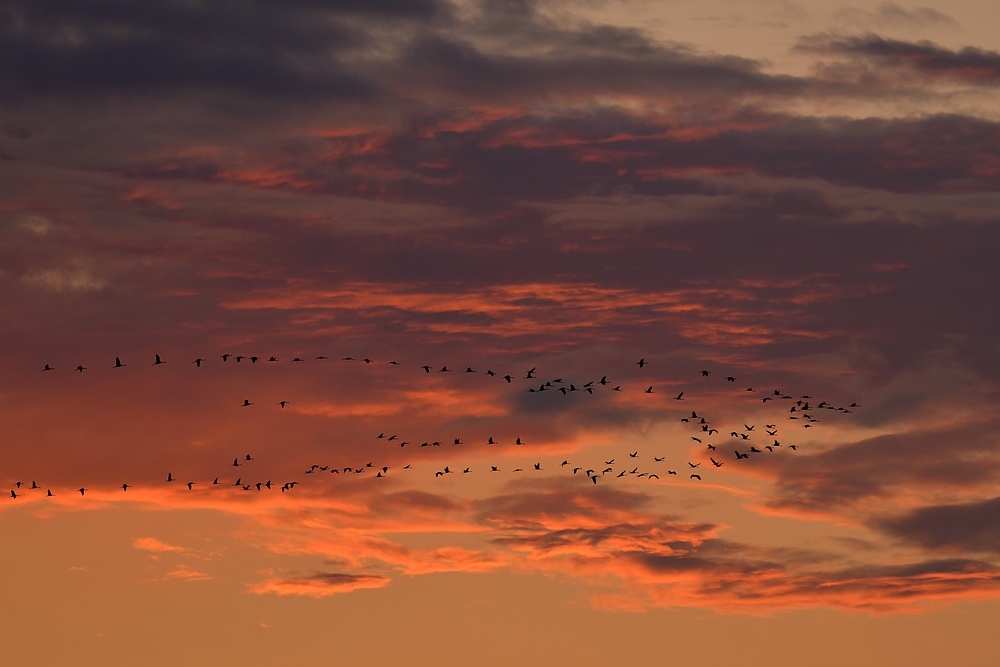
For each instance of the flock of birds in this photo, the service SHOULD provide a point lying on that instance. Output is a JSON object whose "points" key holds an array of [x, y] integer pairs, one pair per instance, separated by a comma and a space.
{"points": [[802, 409]]}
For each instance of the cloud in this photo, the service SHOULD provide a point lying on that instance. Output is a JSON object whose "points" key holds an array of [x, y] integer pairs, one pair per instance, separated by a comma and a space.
{"points": [[78, 278], [155, 545], [320, 584], [884, 469], [890, 15], [969, 65], [261, 48], [37, 224], [185, 574], [967, 527]]}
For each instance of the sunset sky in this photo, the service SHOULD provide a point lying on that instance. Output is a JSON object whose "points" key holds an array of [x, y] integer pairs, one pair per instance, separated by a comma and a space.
{"points": [[799, 198]]}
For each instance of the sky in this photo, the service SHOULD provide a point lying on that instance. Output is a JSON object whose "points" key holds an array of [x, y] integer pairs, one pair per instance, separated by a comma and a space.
{"points": [[786, 210]]}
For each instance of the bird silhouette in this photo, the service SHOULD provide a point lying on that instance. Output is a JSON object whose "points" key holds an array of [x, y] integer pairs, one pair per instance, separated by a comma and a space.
{"points": [[118, 363], [158, 361]]}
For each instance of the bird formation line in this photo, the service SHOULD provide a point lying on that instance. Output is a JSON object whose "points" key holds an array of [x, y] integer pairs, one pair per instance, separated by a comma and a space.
{"points": [[802, 409]]}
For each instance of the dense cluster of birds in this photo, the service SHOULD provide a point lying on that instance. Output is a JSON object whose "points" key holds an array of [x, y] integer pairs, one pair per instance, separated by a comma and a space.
{"points": [[802, 409]]}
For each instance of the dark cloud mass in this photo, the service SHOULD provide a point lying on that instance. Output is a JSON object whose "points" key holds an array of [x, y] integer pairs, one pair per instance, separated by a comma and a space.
{"points": [[973, 65], [966, 527], [55, 47]]}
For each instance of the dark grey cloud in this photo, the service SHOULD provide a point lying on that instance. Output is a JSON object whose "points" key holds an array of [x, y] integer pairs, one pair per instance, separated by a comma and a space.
{"points": [[495, 165], [854, 474], [269, 48], [890, 14], [971, 64], [968, 527]]}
